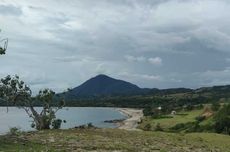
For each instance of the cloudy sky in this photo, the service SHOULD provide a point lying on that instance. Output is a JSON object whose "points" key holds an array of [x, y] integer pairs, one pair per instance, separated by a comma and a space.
{"points": [[153, 43]]}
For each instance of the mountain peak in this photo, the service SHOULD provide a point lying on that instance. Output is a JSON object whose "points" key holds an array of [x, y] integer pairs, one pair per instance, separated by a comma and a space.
{"points": [[102, 76], [101, 85]]}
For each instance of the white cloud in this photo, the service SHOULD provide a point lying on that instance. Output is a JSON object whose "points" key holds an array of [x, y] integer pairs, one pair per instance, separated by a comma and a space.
{"points": [[135, 59], [149, 77], [155, 61], [141, 59], [73, 25], [128, 75]]}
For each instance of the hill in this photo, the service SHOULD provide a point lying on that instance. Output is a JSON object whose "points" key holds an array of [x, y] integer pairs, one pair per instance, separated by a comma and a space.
{"points": [[176, 97], [103, 85]]}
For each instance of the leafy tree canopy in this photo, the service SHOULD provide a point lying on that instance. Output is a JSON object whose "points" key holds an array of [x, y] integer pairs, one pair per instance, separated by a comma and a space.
{"points": [[16, 92]]}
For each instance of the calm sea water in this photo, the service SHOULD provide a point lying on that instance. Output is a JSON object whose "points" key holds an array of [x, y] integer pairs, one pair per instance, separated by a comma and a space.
{"points": [[74, 116]]}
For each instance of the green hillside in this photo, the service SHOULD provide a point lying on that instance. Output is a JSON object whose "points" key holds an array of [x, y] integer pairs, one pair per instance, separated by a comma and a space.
{"points": [[167, 122], [154, 97]]}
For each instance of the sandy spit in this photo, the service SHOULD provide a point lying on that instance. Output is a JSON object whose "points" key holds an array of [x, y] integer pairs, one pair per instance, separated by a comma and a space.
{"points": [[134, 117]]}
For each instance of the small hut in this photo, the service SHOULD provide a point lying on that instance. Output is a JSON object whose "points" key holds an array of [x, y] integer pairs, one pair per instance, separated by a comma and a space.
{"points": [[173, 112], [159, 108]]}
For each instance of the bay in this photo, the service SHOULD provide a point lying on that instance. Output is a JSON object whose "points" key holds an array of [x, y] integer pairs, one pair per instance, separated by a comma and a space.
{"points": [[74, 116]]}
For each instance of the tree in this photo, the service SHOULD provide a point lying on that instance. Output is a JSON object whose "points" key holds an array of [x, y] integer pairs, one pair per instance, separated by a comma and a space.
{"points": [[215, 106], [148, 111], [4, 47], [222, 120], [17, 93]]}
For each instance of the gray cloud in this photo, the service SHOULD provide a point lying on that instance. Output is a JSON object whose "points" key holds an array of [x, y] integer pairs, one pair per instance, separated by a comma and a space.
{"points": [[10, 10], [160, 43]]}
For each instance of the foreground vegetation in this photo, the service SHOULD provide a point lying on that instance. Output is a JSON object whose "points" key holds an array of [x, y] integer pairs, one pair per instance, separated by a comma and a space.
{"points": [[114, 140]]}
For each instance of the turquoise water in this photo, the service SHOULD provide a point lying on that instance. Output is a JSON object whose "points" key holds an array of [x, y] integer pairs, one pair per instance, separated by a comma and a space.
{"points": [[74, 116]]}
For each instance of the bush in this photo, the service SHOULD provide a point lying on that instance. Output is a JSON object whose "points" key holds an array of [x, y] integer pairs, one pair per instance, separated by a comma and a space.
{"points": [[187, 127], [15, 131], [189, 107], [200, 106], [207, 128], [193, 127], [148, 111], [158, 127], [147, 127], [200, 118], [178, 127], [86, 126], [56, 124], [215, 106], [222, 120], [223, 126], [90, 125]]}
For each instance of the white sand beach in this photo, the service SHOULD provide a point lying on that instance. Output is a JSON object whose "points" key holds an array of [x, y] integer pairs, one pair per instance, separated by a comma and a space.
{"points": [[134, 116]]}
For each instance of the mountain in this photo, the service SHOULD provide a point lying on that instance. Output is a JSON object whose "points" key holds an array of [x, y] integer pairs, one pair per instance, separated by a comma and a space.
{"points": [[103, 85]]}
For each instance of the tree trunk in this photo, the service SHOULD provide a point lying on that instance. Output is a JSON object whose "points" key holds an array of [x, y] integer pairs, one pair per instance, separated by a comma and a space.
{"points": [[41, 122]]}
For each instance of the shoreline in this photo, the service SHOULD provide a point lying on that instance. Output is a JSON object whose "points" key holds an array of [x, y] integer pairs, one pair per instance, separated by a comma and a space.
{"points": [[133, 118]]}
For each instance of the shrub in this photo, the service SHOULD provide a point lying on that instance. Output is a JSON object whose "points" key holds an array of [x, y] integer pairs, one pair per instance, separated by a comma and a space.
{"points": [[15, 131], [222, 120], [90, 125], [193, 127], [178, 127], [86, 126], [189, 107], [56, 124], [215, 106], [147, 127], [200, 118], [158, 127], [187, 127], [148, 111], [200, 106]]}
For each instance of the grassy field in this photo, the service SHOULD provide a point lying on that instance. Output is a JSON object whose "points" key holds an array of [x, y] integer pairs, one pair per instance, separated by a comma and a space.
{"points": [[114, 140], [166, 123]]}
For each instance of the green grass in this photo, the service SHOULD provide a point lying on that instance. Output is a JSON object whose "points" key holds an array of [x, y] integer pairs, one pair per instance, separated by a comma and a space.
{"points": [[212, 140], [11, 143], [167, 123], [114, 140]]}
